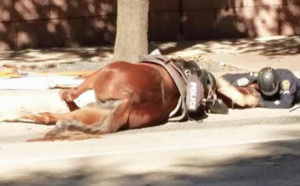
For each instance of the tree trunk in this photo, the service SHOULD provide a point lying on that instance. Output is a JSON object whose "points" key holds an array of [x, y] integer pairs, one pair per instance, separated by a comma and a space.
{"points": [[132, 30]]}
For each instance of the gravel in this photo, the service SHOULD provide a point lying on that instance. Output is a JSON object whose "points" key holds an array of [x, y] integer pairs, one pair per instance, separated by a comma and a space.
{"points": [[91, 65]]}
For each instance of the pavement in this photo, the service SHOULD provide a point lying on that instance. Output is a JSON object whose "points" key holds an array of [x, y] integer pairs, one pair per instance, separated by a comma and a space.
{"points": [[246, 147], [250, 54]]}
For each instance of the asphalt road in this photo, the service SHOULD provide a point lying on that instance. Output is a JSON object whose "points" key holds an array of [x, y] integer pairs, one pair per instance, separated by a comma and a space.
{"points": [[247, 154], [245, 147]]}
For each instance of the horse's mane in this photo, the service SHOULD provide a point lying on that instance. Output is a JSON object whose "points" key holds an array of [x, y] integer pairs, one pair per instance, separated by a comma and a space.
{"points": [[237, 96]]}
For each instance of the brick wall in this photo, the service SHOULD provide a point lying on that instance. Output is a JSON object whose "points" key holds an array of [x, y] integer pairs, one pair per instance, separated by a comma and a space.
{"points": [[69, 23], [211, 19], [56, 23]]}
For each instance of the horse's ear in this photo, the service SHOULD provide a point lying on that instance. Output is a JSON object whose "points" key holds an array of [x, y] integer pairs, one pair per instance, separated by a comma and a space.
{"points": [[155, 52]]}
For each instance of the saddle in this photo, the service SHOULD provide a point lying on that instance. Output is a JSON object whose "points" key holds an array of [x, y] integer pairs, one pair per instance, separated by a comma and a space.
{"points": [[189, 86]]}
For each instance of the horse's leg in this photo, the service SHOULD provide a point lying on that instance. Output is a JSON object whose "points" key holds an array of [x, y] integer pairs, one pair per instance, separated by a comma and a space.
{"points": [[45, 118], [88, 115], [71, 94], [68, 95], [147, 115], [111, 121], [89, 122], [72, 105]]}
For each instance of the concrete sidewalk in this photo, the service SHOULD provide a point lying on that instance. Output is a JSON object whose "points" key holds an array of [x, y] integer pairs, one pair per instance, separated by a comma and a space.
{"points": [[245, 147], [249, 54]]}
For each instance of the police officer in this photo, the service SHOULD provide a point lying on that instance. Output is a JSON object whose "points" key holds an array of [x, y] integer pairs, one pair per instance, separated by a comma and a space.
{"points": [[279, 88]]}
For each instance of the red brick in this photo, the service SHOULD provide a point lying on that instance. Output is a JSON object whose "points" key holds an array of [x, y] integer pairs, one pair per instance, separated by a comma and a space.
{"points": [[265, 20], [289, 20], [104, 7], [7, 36], [288, 2], [164, 26], [79, 8], [199, 25], [53, 33], [248, 22], [71, 31], [264, 2], [6, 8], [163, 5], [30, 9], [189, 5], [36, 34], [100, 30], [231, 23]]}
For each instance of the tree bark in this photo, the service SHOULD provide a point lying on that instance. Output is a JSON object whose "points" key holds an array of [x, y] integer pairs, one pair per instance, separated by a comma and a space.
{"points": [[132, 30]]}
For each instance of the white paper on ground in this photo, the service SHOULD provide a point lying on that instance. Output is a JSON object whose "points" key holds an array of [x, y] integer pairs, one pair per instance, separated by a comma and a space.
{"points": [[39, 82]]}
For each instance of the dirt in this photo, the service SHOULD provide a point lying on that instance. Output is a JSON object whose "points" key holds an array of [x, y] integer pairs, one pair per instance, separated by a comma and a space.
{"points": [[213, 66], [210, 65]]}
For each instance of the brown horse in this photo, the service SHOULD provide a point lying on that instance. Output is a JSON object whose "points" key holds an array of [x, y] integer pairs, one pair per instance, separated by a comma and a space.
{"points": [[128, 96], [239, 97]]}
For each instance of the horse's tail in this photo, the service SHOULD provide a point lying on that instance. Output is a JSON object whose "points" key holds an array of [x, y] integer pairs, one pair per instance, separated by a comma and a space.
{"points": [[65, 135], [75, 130], [237, 96], [102, 121]]}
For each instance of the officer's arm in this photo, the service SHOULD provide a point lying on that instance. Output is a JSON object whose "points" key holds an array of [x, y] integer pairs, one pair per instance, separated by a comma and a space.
{"points": [[286, 101], [232, 78], [244, 81], [240, 79]]}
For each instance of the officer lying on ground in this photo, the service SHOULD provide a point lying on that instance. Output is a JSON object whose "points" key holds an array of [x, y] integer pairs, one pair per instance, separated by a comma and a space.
{"points": [[279, 88]]}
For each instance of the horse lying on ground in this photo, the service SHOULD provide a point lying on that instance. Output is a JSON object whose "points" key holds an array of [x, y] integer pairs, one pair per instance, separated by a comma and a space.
{"points": [[138, 95], [128, 96]]}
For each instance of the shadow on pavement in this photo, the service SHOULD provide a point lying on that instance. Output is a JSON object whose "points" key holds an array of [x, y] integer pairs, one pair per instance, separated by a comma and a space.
{"points": [[281, 45], [273, 163]]}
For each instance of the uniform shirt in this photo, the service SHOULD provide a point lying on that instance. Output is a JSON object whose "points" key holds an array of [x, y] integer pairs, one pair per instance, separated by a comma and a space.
{"points": [[241, 79], [289, 92]]}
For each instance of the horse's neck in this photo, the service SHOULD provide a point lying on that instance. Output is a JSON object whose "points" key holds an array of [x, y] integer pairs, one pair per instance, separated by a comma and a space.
{"points": [[239, 96]]}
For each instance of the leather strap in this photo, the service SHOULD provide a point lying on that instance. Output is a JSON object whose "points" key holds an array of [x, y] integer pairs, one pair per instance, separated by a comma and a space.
{"points": [[178, 77]]}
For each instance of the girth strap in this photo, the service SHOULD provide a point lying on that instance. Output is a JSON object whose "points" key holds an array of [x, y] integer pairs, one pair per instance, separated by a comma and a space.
{"points": [[178, 77]]}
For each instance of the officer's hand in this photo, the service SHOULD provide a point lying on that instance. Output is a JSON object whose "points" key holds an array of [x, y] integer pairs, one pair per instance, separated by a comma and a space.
{"points": [[261, 101], [242, 82]]}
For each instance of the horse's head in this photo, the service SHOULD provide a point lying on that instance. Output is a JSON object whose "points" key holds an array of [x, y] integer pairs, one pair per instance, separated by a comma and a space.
{"points": [[207, 79]]}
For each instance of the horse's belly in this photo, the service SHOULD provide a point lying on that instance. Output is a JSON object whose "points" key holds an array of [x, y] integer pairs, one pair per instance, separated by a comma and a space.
{"points": [[129, 81]]}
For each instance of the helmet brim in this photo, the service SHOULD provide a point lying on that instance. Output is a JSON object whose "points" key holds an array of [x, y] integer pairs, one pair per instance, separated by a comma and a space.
{"points": [[271, 93]]}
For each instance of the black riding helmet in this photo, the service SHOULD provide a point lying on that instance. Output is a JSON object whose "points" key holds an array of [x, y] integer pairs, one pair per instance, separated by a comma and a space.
{"points": [[268, 81]]}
